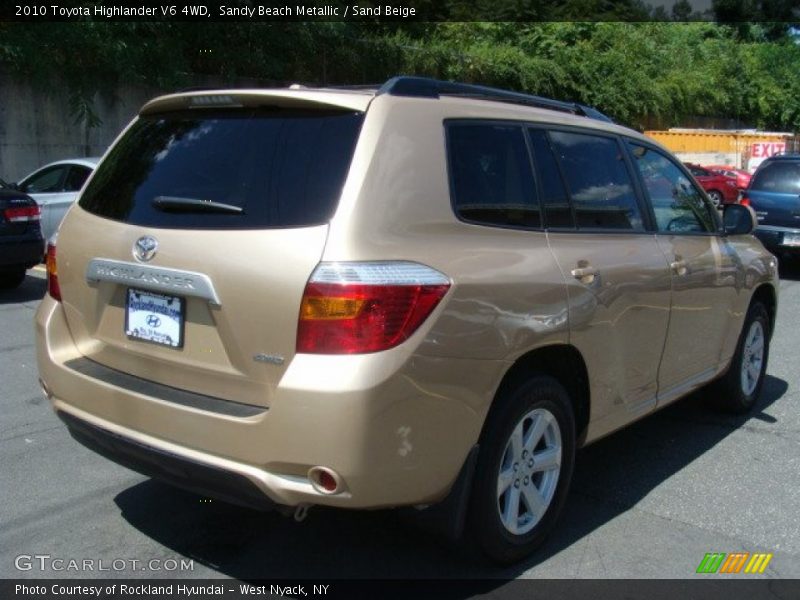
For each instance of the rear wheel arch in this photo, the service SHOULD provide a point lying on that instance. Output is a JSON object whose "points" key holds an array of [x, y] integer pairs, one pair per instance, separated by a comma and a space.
{"points": [[565, 364]]}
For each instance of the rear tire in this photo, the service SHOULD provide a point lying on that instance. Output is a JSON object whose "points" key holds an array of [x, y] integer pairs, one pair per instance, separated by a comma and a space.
{"points": [[737, 390], [716, 198], [11, 279], [524, 468]]}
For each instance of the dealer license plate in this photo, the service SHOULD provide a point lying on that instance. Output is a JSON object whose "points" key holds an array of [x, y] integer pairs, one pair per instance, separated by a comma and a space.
{"points": [[155, 318]]}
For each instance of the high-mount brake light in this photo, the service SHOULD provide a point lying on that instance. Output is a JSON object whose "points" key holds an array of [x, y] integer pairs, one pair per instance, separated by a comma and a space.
{"points": [[360, 307]]}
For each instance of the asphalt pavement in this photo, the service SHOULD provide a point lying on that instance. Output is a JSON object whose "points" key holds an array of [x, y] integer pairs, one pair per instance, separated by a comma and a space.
{"points": [[647, 502]]}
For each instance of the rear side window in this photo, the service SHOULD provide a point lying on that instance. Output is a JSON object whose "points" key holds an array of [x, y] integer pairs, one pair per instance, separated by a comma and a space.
{"points": [[491, 175], [598, 180], [227, 170], [779, 176], [555, 200], [76, 178]]}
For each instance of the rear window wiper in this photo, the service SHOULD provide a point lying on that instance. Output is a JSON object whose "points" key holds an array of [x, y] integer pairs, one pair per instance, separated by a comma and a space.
{"points": [[175, 204]]}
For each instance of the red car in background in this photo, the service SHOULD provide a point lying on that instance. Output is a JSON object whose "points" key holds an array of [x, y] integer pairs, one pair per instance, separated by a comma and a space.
{"points": [[741, 176], [720, 188]]}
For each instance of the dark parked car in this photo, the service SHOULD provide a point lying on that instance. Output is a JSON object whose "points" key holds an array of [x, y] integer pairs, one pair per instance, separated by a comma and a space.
{"points": [[21, 243], [721, 189], [774, 194]]}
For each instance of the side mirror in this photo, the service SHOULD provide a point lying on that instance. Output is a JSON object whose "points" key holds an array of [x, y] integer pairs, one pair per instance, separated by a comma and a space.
{"points": [[738, 219]]}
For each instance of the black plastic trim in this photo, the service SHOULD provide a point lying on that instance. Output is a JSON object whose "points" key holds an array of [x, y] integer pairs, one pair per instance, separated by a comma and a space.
{"points": [[21, 251], [132, 383], [449, 516], [177, 470]]}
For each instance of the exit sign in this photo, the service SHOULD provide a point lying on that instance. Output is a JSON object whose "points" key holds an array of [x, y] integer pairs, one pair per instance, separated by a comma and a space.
{"points": [[766, 149]]}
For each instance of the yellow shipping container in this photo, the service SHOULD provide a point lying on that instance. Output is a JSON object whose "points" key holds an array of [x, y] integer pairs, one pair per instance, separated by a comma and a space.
{"points": [[740, 148]]}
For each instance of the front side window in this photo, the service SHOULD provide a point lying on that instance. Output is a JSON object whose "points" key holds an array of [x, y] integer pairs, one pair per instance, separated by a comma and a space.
{"points": [[598, 181], [698, 171], [491, 175], [678, 205]]}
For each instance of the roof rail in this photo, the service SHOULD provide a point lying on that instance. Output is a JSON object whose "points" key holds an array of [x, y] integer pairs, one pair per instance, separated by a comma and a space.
{"points": [[357, 86], [424, 87], [201, 88]]}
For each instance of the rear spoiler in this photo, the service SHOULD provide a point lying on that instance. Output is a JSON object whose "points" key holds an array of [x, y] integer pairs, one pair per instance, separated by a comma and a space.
{"points": [[282, 98]]}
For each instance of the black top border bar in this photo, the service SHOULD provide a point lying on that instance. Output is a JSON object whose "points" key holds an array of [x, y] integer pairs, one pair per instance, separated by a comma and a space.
{"points": [[388, 11]]}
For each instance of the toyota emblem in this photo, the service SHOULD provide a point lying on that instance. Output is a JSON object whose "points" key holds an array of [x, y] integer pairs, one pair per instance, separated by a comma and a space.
{"points": [[145, 248]]}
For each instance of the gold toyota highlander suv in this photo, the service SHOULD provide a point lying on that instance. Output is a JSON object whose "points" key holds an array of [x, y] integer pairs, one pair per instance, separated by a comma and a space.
{"points": [[428, 294]]}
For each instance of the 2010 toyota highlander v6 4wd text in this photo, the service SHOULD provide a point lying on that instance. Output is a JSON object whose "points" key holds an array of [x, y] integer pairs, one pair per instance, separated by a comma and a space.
{"points": [[424, 293]]}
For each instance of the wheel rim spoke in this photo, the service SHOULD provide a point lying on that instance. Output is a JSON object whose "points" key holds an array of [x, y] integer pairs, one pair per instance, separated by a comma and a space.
{"points": [[511, 512], [547, 460], [504, 481], [517, 443], [753, 370], [537, 431], [534, 501]]}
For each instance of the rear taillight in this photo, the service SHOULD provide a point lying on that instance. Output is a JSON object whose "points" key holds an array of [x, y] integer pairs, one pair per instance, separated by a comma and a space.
{"points": [[52, 273], [745, 201], [22, 214], [354, 308]]}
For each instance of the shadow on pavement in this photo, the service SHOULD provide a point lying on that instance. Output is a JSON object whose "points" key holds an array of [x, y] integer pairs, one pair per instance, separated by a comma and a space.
{"points": [[614, 474], [33, 288]]}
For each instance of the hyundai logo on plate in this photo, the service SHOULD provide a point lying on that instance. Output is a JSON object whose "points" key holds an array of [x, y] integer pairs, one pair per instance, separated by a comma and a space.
{"points": [[153, 321], [145, 248]]}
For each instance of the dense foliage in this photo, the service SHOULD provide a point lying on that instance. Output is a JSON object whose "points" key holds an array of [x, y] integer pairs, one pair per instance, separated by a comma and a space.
{"points": [[634, 71]]}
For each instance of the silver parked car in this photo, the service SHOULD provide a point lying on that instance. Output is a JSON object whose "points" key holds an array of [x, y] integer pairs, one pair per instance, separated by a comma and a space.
{"points": [[55, 188]]}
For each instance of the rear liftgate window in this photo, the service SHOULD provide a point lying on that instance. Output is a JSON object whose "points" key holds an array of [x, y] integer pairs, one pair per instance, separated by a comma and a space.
{"points": [[778, 177], [227, 170]]}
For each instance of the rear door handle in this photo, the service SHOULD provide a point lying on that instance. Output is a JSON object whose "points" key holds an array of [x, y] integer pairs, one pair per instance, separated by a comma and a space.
{"points": [[679, 267], [584, 274]]}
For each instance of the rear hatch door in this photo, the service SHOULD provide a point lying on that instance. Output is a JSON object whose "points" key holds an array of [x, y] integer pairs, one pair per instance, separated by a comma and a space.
{"points": [[185, 261]]}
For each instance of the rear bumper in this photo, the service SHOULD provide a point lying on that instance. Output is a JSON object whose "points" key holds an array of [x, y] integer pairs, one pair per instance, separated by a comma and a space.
{"points": [[775, 239], [395, 429], [166, 466], [19, 252]]}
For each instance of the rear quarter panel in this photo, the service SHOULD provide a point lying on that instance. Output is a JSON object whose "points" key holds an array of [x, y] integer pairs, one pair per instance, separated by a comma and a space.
{"points": [[507, 296]]}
